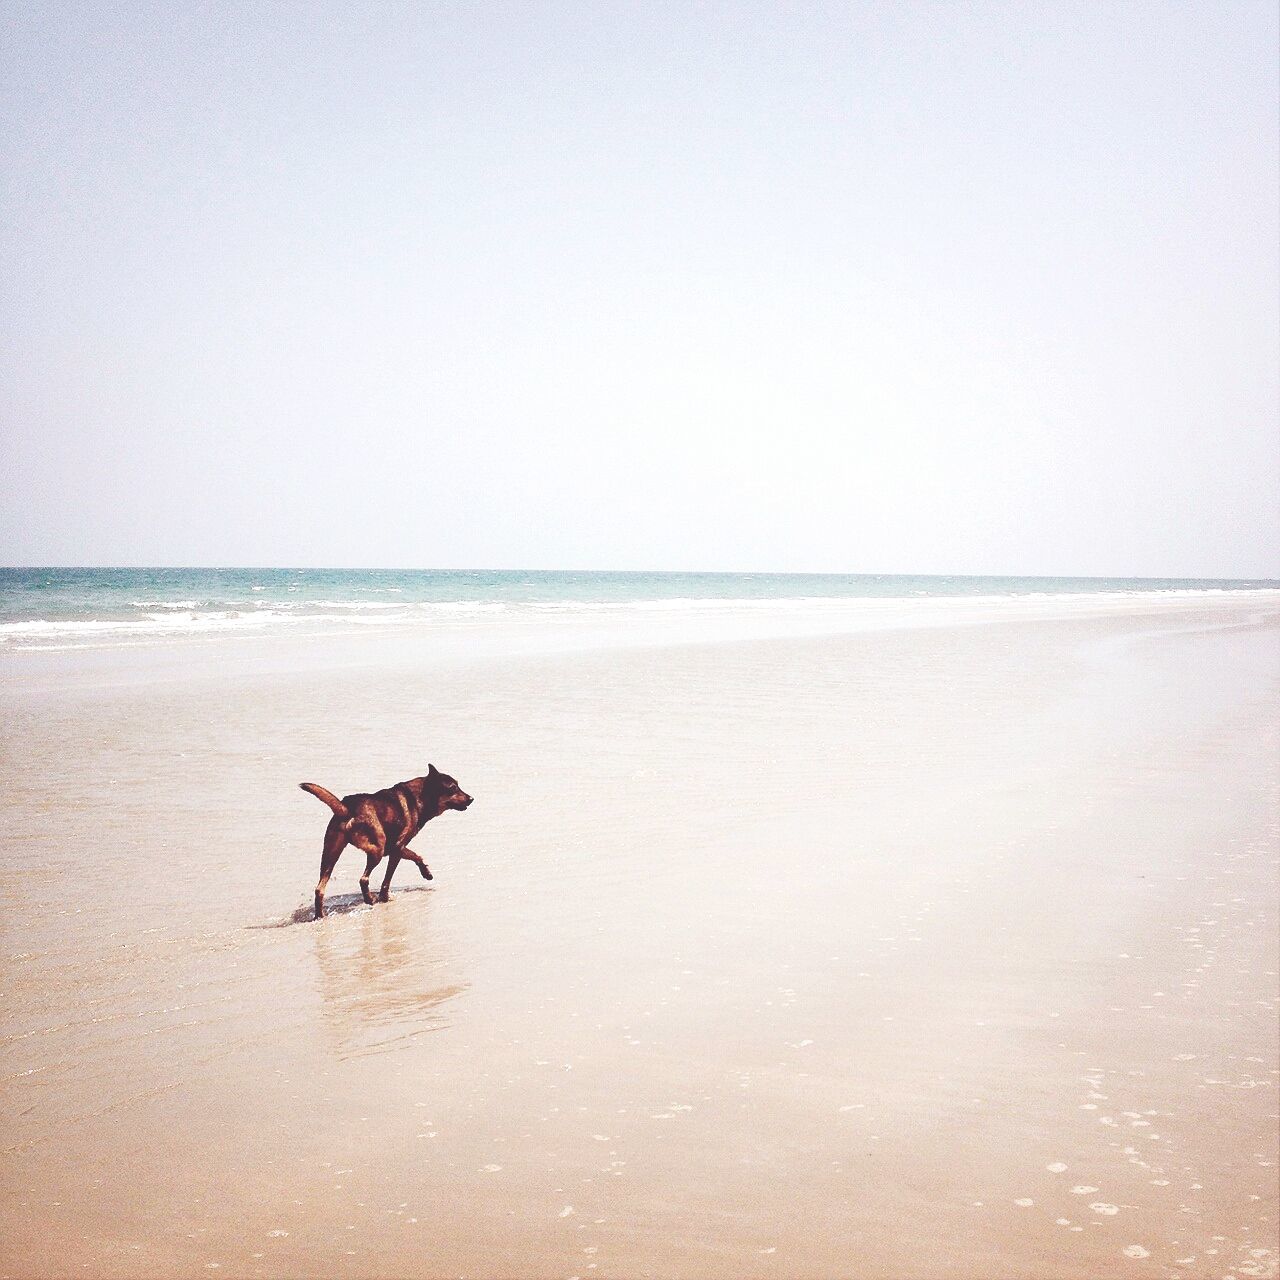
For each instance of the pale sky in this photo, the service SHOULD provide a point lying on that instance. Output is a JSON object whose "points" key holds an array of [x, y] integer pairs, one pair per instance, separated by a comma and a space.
{"points": [[866, 287]]}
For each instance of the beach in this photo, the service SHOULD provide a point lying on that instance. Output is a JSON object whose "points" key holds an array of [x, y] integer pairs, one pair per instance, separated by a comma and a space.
{"points": [[942, 944]]}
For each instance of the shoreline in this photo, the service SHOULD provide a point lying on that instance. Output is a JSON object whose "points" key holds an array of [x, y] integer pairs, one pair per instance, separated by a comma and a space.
{"points": [[197, 655]]}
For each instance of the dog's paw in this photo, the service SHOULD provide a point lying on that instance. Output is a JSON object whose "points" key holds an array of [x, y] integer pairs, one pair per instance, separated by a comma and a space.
{"points": [[426, 872]]}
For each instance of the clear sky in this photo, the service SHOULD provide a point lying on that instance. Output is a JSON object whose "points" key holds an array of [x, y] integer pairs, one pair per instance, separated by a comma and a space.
{"points": [[881, 287]]}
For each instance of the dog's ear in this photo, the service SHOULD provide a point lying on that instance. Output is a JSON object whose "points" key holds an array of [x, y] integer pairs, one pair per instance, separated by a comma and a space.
{"points": [[431, 771]]}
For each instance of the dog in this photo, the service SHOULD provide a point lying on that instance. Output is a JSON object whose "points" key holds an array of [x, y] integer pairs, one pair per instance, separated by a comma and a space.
{"points": [[383, 823]]}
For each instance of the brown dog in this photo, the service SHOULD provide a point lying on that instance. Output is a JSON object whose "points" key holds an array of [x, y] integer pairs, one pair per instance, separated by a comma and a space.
{"points": [[383, 823]]}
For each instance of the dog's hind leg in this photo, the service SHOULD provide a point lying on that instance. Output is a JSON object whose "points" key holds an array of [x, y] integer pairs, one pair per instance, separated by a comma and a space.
{"points": [[422, 866], [370, 839], [335, 840], [371, 860], [393, 861]]}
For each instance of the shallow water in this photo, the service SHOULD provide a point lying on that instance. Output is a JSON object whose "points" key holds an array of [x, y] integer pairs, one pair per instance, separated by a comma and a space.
{"points": [[70, 609], [803, 956]]}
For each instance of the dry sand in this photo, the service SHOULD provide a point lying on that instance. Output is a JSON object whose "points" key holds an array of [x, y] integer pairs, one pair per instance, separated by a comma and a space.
{"points": [[948, 952]]}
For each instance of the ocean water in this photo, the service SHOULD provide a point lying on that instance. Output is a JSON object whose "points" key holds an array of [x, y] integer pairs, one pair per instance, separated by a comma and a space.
{"points": [[62, 608]]}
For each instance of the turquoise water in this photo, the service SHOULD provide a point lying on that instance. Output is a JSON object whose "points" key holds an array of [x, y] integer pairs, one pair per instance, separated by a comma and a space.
{"points": [[76, 606]]}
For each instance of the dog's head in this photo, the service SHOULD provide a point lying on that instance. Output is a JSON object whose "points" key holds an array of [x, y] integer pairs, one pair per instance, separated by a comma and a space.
{"points": [[451, 796]]}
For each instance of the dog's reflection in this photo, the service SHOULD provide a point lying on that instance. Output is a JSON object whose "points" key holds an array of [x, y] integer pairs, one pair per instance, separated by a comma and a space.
{"points": [[382, 979]]}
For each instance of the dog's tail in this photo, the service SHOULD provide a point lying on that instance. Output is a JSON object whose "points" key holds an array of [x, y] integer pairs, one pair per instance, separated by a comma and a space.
{"points": [[328, 797]]}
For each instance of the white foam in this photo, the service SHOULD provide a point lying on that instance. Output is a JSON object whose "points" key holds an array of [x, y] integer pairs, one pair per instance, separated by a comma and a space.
{"points": [[155, 624], [593, 623], [353, 604]]}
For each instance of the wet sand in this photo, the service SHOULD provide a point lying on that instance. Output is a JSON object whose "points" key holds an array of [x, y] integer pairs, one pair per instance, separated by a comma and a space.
{"points": [[939, 952]]}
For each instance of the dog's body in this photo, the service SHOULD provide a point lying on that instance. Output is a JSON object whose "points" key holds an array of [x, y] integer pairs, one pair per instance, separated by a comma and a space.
{"points": [[382, 823]]}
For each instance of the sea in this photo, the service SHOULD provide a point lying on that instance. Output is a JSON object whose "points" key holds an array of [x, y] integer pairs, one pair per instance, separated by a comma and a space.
{"points": [[77, 608]]}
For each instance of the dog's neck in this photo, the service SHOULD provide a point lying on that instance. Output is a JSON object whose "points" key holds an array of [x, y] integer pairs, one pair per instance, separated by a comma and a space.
{"points": [[427, 794]]}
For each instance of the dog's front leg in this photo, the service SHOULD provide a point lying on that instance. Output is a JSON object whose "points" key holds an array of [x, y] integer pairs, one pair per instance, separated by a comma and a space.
{"points": [[422, 866], [393, 861]]}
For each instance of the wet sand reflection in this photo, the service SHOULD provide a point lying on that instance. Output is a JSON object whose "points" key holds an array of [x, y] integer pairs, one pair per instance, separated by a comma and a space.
{"points": [[383, 978]]}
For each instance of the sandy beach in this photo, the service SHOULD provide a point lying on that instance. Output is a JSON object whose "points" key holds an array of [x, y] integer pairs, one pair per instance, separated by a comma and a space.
{"points": [[916, 951]]}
